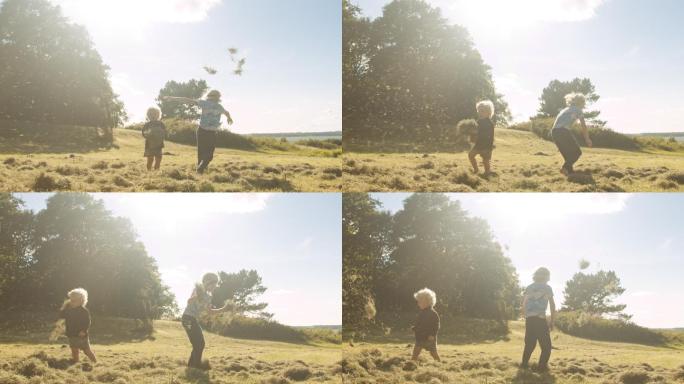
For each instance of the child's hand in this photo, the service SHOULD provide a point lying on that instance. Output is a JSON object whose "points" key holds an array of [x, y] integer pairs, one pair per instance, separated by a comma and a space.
{"points": [[82, 333], [550, 323], [65, 304], [230, 121], [431, 338]]}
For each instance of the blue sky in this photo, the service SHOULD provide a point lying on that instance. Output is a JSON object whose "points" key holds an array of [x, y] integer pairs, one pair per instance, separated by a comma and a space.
{"points": [[639, 236], [632, 50], [292, 240], [292, 80]]}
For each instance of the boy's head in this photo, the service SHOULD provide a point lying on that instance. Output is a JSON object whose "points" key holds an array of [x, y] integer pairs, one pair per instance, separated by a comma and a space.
{"points": [[542, 275], [78, 297], [214, 96], [153, 114], [210, 281], [576, 99], [425, 298], [485, 109]]}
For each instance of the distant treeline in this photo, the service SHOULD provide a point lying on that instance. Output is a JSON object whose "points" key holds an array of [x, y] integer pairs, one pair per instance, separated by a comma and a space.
{"points": [[76, 242]]}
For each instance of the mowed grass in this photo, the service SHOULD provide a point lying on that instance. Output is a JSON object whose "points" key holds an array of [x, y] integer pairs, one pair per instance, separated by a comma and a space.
{"points": [[122, 169], [162, 358], [521, 162], [573, 360]]}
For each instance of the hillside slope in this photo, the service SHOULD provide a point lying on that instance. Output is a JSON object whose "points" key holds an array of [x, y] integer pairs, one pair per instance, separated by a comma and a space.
{"points": [[521, 162], [161, 359], [573, 360], [123, 169]]}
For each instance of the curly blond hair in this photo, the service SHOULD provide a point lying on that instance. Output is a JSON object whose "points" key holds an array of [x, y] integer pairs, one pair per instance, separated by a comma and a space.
{"points": [[426, 294], [576, 99]]}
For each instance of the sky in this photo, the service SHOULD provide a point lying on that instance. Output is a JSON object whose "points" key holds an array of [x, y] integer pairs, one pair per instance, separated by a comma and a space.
{"points": [[293, 77], [292, 240], [632, 50], [639, 236]]}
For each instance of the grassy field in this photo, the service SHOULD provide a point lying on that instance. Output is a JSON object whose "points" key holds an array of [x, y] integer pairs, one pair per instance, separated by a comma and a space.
{"points": [[124, 357], [521, 162], [573, 360], [44, 167]]}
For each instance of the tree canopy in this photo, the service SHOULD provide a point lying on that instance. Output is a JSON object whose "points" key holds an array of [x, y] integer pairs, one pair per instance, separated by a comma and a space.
{"points": [[76, 242], [242, 288], [411, 70], [431, 242], [593, 293], [193, 89], [552, 99], [50, 70]]}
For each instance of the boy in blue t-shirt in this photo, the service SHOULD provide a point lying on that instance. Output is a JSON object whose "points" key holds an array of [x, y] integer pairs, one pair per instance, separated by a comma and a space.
{"points": [[538, 328], [210, 121]]}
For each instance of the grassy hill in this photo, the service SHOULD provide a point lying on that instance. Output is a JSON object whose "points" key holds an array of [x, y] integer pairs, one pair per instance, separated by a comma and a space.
{"points": [[78, 163], [573, 360], [522, 162], [128, 357]]}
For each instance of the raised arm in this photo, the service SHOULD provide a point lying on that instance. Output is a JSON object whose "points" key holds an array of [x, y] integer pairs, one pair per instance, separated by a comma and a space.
{"points": [[228, 117], [585, 132], [185, 100]]}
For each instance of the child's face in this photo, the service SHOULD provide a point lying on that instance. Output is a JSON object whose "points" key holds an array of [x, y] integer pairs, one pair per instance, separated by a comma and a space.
{"points": [[75, 301], [422, 303], [483, 113]]}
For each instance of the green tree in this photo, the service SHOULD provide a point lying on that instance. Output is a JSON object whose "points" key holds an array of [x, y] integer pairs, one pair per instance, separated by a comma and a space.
{"points": [[593, 293], [552, 100], [15, 247], [79, 243], [413, 71], [438, 245], [193, 89], [50, 71], [365, 231], [243, 288]]}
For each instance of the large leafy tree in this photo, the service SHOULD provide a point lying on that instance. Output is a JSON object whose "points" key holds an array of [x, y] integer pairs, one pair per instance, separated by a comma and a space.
{"points": [[193, 89], [243, 289], [50, 71], [411, 70], [552, 100], [79, 243], [593, 293], [365, 231], [15, 246]]}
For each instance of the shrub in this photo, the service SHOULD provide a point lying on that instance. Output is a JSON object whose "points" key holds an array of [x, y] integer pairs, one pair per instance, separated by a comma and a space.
{"points": [[184, 132], [601, 137], [322, 144], [596, 328], [252, 328]]}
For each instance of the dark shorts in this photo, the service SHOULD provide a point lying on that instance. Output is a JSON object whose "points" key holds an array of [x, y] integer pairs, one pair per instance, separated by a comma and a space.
{"points": [[153, 149], [80, 342], [485, 153]]}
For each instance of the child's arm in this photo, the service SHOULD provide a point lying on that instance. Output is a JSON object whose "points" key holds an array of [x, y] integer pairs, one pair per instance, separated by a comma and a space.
{"points": [[84, 323], [185, 100], [585, 132], [523, 304], [230, 119], [552, 320], [434, 327], [65, 305]]}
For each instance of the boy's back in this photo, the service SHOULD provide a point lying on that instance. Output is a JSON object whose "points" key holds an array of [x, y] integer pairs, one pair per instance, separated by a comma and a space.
{"points": [[485, 134], [537, 296], [427, 324], [76, 320]]}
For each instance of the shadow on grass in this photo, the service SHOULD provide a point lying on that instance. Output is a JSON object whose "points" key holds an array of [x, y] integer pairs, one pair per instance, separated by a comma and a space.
{"points": [[30, 137], [527, 376]]}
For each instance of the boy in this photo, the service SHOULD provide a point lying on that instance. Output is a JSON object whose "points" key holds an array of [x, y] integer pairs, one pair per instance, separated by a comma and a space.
{"points": [[77, 321], [484, 144], [427, 324], [154, 132], [210, 122], [563, 137], [537, 297]]}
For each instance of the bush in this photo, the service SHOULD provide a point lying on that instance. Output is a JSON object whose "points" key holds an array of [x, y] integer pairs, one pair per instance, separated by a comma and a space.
{"points": [[38, 136], [184, 132], [601, 137], [260, 329], [322, 144], [592, 327]]}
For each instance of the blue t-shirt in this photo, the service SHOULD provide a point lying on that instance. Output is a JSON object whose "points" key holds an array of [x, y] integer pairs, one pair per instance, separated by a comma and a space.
{"points": [[211, 114], [538, 296], [567, 117]]}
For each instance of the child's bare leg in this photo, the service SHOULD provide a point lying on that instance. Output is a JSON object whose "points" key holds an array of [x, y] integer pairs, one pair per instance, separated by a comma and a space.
{"points": [[473, 161], [74, 355], [157, 162], [88, 352], [416, 352], [150, 160], [487, 165], [435, 355]]}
